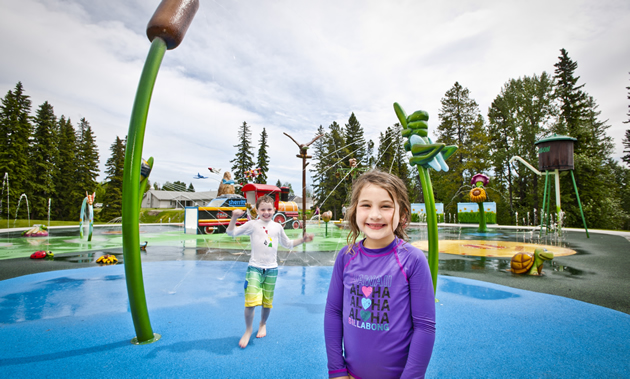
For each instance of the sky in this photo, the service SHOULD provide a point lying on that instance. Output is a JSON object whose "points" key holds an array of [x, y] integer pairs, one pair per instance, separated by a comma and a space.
{"points": [[289, 66]]}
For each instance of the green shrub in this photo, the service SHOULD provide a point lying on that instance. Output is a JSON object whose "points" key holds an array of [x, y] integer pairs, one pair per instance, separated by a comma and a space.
{"points": [[473, 217]]}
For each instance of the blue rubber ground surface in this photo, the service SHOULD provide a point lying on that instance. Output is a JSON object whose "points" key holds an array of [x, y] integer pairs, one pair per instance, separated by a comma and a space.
{"points": [[76, 324]]}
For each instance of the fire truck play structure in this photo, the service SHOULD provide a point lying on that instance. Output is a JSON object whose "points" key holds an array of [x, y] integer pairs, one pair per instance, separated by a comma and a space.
{"points": [[216, 215]]}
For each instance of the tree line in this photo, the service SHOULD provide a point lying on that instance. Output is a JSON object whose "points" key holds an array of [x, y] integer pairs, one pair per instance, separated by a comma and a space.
{"points": [[53, 163], [44, 157], [526, 110]]}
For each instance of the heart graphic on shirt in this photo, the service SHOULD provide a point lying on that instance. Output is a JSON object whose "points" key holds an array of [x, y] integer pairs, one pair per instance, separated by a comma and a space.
{"points": [[367, 291], [366, 303], [365, 315]]}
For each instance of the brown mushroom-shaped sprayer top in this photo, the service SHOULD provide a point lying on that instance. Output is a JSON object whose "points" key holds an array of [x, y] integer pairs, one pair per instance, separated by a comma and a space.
{"points": [[171, 21]]}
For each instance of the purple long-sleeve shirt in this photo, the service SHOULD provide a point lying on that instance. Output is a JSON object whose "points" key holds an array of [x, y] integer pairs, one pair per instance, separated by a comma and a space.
{"points": [[380, 313]]}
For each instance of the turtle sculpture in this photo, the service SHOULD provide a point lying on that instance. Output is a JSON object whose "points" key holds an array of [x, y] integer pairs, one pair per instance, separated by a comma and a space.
{"points": [[530, 264]]}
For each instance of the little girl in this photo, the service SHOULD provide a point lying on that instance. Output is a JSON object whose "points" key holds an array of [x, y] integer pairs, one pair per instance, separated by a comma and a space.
{"points": [[380, 311]]}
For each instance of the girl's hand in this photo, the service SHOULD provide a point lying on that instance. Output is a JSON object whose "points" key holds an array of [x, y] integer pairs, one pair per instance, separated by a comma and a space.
{"points": [[308, 237], [237, 213]]}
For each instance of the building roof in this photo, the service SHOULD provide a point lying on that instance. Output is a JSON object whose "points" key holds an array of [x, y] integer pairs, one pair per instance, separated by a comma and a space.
{"points": [[181, 195]]}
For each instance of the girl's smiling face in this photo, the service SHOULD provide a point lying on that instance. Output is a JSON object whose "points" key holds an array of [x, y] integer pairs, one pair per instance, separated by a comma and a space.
{"points": [[265, 211], [377, 216]]}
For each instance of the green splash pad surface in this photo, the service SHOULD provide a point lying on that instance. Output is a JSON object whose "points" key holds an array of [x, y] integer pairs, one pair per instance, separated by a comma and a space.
{"points": [[60, 241]]}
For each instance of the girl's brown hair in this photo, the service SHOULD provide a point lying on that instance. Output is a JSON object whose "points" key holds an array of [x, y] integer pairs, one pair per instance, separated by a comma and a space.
{"points": [[397, 192]]}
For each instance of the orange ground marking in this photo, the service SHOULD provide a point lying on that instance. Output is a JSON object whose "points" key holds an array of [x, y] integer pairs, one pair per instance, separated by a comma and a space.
{"points": [[482, 248]]}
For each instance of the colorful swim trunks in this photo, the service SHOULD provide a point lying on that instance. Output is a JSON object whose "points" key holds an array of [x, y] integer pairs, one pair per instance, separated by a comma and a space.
{"points": [[259, 286]]}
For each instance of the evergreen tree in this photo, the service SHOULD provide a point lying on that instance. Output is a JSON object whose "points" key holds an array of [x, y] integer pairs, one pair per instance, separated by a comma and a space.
{"points": [[370, 154], [43, 153], [263, 158], [594, 173], [518, 117], [319, 166], [191, 188], [112, 200], [387, 149], [290, 187], [244, 159], [626, 145], [458, 116], [65, 204], [15, 134], [330, 157], [596, 141], [87, 160], [626, 139], [175, 186], [355, 141], [571, 99]]}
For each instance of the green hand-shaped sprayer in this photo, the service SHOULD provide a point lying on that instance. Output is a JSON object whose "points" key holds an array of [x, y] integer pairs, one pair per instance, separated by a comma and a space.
{"points": [[425, 154], [165, 30]]}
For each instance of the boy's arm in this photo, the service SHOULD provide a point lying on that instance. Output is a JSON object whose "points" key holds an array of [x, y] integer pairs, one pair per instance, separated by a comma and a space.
{"points": [[308, 237], [235, 215]]}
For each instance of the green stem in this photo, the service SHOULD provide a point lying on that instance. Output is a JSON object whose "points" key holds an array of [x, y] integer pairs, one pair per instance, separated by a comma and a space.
{"points": [[482, 220], [542, 212], [429, 201], [579, 203], [131, 184]]}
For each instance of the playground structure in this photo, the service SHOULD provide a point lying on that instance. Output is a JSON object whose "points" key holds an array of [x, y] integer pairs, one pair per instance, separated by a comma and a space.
{"points": [[87, 212], [216, 215], [166, 30], [425, 155], [554, 153], [478, 195], [304, 156]]}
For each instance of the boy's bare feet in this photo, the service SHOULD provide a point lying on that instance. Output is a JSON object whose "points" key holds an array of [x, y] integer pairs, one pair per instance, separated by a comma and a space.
{"points": [[262, 331], [245, 339]]}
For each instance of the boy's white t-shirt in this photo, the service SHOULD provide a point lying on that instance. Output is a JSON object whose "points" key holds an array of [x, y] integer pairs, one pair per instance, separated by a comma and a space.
{"points": [[265, 237]]}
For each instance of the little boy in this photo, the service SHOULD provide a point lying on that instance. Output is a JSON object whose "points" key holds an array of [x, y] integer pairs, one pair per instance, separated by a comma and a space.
{"points": [[263, 267]]}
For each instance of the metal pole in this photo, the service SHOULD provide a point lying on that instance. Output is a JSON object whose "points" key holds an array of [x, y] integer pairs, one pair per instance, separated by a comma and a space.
{"points": [[558, 208], [580, 204], [304, 195], [542, 218]]}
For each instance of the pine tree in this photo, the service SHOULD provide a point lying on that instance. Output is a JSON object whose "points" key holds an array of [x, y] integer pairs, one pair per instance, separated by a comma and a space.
{"points": [[191, 188], [112, 201], [15, 134], [369, 154], [626, 140], [519, 116], [319, 166], [87, 160], [626, 145], [387, 148], [330, 157], [43, 153], [571, 98], [355, 141], [263, 158], [244, 159], [458, 116], [65, 205]]}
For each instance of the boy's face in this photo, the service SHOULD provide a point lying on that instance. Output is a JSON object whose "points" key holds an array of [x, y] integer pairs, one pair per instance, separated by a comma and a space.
{"points": [[265, 211]]}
